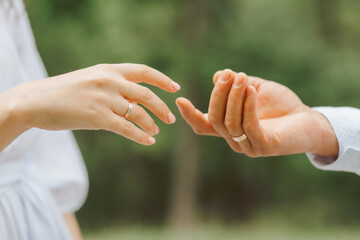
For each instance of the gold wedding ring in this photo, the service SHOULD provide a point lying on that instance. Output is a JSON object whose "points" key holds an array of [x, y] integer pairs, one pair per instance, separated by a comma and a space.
{"points": [[240, 138], [129, 110]]}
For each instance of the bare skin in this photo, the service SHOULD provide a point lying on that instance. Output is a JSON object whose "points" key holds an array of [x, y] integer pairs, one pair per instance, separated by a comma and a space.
{"points": [[274, 119], [93, 98], [73, 225]]}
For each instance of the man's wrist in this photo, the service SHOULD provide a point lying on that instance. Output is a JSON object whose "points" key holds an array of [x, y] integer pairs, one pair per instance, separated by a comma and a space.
{"points": [[327, 144]]}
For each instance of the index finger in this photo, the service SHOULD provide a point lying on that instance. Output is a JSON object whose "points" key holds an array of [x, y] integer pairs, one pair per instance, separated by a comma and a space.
{"points": [[216, 76], [141, 73], [196, 119]]}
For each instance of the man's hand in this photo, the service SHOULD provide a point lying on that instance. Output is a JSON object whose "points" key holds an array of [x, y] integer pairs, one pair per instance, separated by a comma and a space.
{"points": [[272, 116]]}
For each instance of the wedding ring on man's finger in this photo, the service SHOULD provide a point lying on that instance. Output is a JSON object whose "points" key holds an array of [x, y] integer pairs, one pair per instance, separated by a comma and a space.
{"points": [[240, 138], [129, 110]]}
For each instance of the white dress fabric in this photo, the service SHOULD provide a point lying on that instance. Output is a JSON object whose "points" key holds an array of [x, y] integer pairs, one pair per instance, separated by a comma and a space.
{"points": [[346, 124], [42, 173]]}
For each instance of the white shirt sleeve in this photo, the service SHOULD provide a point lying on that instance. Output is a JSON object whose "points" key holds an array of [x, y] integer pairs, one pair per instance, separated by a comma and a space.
{"points": [[346, 124]]}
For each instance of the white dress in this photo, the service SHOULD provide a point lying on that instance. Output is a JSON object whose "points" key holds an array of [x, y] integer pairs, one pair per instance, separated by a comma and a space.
{"points": [[42, 173]]}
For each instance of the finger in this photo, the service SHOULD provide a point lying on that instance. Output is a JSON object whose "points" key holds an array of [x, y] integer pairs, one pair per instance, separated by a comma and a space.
{"points": [[137, 115], [251, 123], [141, 73], [255, 81], [216, 76], [218, 101], [234, 109], [196, 119], [127, 129], [147, 98], [217, 107]]}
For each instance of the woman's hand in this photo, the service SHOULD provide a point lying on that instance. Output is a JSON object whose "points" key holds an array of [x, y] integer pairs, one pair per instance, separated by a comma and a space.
{"points": [[95, 98], [273, 118]]}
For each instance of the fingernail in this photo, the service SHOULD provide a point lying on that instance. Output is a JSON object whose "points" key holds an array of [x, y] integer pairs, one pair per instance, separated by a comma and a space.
{"points": [[151, 140], [171, 118], [238, 82], [179, 106], [157, 130], [176, 86], [224, 79]]}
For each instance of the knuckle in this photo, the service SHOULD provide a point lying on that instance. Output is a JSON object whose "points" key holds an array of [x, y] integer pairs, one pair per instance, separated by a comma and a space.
{"points": [[214, 120], [100, 81], [127, 129], [162, 110], [115, 125], [104, 67], [247, 127], [217, 92], [146, 94], [145, 118], [144, 69], [151, 125], [100, 98], [231, 125]]}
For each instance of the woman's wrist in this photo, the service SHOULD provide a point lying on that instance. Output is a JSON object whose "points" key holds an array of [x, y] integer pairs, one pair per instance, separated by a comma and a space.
{"points": [[18, 111], [20, 107], [326, 144], [12, 120]]}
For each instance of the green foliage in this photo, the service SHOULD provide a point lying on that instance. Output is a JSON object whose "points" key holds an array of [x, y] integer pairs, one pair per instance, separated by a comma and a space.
{"points": [[286, 41]]}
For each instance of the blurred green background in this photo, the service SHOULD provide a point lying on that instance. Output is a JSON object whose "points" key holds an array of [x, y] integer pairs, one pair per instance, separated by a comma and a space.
{"points": [[187, 181]]}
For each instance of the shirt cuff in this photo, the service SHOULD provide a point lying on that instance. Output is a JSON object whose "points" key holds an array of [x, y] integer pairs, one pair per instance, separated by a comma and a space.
{"points": [[346, 124]]}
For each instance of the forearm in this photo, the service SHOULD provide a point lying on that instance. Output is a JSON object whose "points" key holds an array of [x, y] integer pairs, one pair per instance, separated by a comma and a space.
{"points": [[12, 124], [73, 225]]}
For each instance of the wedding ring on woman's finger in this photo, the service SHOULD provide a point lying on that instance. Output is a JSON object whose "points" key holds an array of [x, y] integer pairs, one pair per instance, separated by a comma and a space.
{"points": [[129, 110], [240, 138]]}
